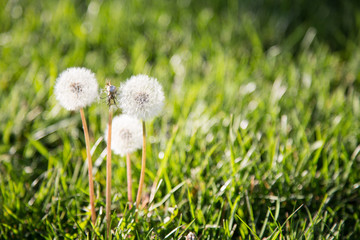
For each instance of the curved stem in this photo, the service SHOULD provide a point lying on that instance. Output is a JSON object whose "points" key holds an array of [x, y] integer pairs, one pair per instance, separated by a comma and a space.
{"points": [[108, 177], [143, 166], [91, 184], [129, 183]]}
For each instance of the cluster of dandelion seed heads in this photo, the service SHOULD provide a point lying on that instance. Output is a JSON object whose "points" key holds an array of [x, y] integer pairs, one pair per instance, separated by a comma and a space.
{"points": [[126, 134], [76, 88], [141, 96]]}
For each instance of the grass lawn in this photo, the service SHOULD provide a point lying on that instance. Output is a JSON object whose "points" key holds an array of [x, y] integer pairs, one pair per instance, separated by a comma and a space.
{"points": [[259, 137]]}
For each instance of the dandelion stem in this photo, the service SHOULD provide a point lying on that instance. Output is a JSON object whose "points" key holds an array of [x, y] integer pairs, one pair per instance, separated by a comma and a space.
{"points": [[143, 166], [129, 184], [108, 177], [91, 184]]}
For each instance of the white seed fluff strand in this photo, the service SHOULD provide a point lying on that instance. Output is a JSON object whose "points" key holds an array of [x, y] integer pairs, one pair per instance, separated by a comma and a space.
{"points": [[126, 134], [76, 88], [142, 97]]}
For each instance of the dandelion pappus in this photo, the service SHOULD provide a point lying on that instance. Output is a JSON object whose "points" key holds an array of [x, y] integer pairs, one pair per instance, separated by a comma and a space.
{"points": [[191, 236]]}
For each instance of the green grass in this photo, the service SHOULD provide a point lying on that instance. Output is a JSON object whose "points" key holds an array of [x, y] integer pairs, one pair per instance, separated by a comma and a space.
{"points": [[259, 136]]}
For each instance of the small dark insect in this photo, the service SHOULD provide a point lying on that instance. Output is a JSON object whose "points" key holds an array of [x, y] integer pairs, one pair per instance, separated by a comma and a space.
{"points": [[111, 94]]}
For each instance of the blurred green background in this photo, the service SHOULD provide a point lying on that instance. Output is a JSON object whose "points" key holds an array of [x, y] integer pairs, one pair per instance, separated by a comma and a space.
{"points": [[261, 117]]}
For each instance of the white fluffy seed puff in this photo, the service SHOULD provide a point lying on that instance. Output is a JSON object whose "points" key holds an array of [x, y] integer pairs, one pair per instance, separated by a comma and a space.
{"points": [[76, 88], [126, 136], [142, 97]]}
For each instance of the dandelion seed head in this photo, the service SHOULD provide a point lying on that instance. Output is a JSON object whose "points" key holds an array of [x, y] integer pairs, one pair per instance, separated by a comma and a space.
{"points": [[76, 88], [126, 134], [142, 97]]}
